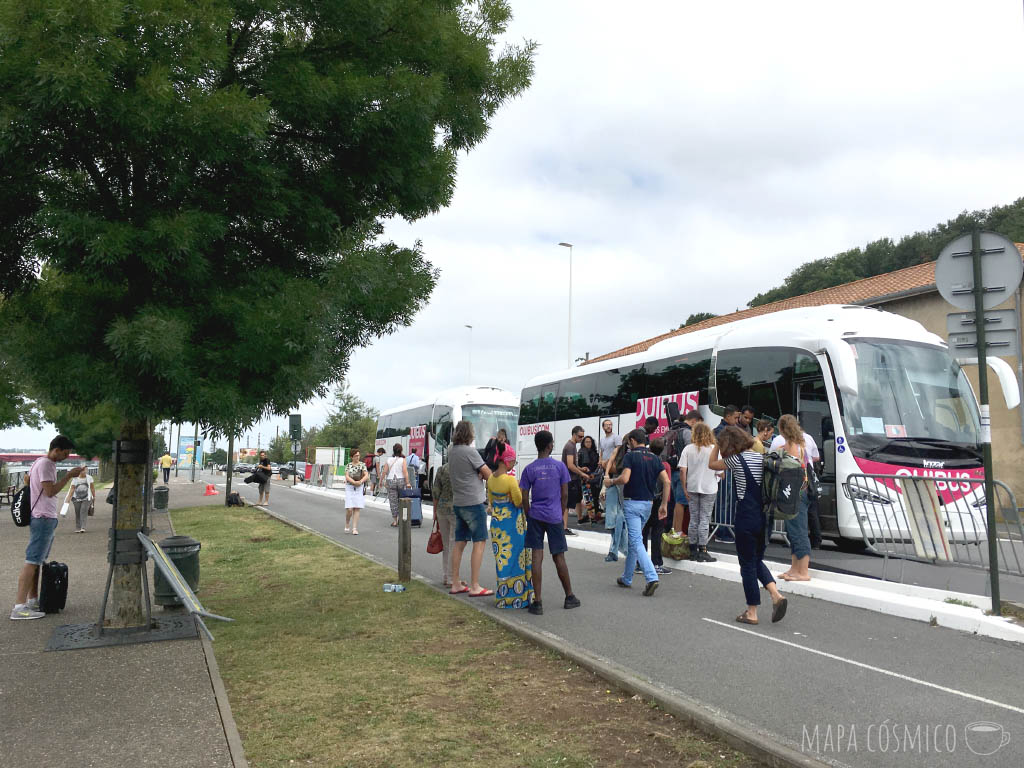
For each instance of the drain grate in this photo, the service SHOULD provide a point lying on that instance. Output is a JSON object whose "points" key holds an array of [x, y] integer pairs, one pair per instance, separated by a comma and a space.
{"points": [[71, 637]]}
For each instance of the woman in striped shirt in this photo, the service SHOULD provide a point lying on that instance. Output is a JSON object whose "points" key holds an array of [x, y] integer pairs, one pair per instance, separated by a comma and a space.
{"points": [[734, 452]]}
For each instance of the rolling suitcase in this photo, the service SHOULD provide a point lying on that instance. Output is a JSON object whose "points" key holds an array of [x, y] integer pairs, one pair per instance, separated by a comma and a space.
{"points": [[53, 587]]}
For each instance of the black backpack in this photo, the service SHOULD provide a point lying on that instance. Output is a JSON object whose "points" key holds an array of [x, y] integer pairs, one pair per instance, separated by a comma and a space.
{"points": [[676, 439], [21, 507], [784, 479], [234, 500]]}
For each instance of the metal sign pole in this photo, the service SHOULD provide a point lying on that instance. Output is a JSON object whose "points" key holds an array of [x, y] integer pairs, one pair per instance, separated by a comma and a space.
{"points": [[986, 422]]}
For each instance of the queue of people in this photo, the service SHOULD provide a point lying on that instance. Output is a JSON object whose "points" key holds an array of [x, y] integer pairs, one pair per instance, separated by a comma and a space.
{"points": [[639, 486]]}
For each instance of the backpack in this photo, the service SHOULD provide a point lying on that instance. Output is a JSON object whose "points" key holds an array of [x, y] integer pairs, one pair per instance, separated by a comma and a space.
{"points": [[234, 500], [21, 507], [783, 481], [676, 439], [368, 461]]}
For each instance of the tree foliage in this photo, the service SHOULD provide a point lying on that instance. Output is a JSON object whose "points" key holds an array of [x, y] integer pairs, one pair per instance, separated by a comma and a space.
{"points": [[350, 424], [697, 317], [881, 256], [191, 193]]}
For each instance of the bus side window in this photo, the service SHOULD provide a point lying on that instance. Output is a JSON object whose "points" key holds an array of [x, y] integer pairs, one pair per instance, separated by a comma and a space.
{"points": [[549, 393], [529, 408], [574, 397]]}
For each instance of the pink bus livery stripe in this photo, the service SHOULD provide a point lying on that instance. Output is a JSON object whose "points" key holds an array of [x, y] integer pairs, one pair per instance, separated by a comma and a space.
{"points": [[945, 479], [655, 406]]}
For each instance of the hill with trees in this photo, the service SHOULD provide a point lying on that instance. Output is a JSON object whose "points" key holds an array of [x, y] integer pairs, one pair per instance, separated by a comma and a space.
{"points": [[881, 256]]}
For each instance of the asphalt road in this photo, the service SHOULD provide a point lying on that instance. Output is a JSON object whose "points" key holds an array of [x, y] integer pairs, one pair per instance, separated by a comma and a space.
{"points": [[849, 686]]}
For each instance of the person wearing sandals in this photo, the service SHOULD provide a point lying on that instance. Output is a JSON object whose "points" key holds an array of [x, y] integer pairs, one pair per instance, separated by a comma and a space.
{"points": [[512, 560], [798, 444], [396, 472], [356, 478], [444, 516], [734, 452], [468, 474]]}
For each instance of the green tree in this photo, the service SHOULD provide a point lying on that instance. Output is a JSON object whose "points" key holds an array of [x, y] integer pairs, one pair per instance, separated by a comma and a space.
{"points": [[697, 317], [881, 256], [280, 449], [218, 456], [15, 407], [192, 197]]}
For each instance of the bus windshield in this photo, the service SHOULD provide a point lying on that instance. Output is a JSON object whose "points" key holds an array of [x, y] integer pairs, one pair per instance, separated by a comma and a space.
{"points": [[910, 394], [488, 419]]}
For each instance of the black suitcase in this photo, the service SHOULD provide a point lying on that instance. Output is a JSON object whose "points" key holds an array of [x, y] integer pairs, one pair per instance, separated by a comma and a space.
{"points": [[53, 587]]}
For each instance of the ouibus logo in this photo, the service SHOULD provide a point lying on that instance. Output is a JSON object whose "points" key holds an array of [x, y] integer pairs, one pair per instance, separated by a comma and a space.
{"points": [[942, 478]]}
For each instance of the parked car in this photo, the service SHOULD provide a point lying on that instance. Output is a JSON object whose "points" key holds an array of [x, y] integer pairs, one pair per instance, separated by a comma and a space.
{"points": [[300, 469]]}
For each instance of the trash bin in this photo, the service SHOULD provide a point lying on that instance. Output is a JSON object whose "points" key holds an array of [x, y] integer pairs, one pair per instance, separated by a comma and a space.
{"points": [[160, 495], [183, 551]]}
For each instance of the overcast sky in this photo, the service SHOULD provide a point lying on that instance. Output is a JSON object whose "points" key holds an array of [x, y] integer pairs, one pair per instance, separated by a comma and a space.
{"points": [[694, 154]]}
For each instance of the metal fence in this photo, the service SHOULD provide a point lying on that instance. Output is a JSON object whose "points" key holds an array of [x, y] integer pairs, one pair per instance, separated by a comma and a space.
{"points": [[723, 518], [935, 520]]}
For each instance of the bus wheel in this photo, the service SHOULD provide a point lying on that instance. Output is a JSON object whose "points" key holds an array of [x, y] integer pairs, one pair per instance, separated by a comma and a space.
{"points": [[853, 546]]}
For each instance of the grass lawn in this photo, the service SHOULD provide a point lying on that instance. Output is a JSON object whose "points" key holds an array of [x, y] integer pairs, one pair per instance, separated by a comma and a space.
{"points": [[324, 668]]}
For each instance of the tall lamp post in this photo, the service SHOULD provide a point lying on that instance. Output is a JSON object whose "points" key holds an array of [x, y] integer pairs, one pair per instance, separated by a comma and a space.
{"points": [[469, 369], [568, 349]]}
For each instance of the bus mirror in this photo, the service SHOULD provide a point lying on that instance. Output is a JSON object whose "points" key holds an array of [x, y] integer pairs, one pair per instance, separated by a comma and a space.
{"points": [[844, 364], [1006, 376]]}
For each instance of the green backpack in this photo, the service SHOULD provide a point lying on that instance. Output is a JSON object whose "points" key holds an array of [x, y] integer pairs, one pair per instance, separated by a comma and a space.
{"points": [[784, 479]]}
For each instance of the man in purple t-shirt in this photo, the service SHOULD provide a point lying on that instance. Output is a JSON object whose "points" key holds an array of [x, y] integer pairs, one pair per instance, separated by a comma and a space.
{"points": [[43, 489], [545, 486]]}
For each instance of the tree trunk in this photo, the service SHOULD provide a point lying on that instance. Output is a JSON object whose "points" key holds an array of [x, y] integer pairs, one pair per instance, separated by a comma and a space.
{"points": [[126, 608]]}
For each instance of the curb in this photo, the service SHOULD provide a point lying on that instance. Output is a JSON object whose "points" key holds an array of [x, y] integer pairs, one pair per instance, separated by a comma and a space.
{"points": [[227, 721], [759, 745]]}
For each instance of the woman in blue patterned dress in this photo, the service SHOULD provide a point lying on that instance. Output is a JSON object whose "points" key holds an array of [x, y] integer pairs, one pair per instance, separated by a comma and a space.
{"points": [[512, 560]]}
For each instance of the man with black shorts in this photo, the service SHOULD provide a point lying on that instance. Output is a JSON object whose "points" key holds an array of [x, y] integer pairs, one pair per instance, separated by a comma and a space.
{"points": [[577, 476], [545, 487]]}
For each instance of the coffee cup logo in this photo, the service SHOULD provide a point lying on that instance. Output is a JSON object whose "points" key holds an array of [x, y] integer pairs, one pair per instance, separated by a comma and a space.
{"points": [[985, 738]]}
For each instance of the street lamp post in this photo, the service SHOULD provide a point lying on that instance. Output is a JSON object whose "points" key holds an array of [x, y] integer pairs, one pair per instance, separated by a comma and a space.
{"points": [[568, 349], [469, 369]]}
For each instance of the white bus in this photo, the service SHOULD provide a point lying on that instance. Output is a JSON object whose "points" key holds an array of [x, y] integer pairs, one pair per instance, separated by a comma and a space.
{"points": [[878, 393], [428, 424]]}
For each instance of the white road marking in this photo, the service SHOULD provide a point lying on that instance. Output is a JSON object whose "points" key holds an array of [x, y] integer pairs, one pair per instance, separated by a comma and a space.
{"points": [[862, 665]]}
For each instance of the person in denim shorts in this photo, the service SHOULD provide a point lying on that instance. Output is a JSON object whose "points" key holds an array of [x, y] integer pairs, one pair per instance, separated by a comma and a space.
{"points": [[468, 474], [43, 490], [545, 487]]}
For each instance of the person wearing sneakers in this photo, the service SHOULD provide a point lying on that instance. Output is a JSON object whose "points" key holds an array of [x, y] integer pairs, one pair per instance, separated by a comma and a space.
{"points": [[43, 490], [701, 488], [641, 472], [81, 497], [545, 487]]}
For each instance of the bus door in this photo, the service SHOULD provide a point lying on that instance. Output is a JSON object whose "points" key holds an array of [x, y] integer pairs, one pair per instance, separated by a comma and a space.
{"points": [[815, 416]]}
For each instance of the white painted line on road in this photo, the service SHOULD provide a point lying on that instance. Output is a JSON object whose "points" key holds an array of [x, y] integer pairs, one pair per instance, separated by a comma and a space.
{"points": [[862, 665]]}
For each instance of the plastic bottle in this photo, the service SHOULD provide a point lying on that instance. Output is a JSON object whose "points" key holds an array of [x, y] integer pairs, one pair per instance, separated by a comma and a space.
{"points": [[394, 588]]}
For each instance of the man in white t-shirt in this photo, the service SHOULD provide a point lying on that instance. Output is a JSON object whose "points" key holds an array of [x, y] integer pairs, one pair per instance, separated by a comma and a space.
{"points": [[43, 490], [609, 441]]}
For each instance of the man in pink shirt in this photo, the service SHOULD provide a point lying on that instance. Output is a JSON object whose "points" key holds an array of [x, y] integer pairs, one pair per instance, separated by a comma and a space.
{"points": [[43, 490]]}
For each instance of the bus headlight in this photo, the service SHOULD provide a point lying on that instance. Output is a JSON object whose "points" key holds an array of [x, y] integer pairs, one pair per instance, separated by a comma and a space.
{"points": [[856, 493]]}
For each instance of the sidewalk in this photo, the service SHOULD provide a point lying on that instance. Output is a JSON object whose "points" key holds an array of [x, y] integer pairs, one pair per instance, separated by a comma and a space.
{"points": [[149, 704]]}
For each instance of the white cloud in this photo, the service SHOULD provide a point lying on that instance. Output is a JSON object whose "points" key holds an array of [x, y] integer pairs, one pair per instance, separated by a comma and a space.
{"points": [[695, 154]]}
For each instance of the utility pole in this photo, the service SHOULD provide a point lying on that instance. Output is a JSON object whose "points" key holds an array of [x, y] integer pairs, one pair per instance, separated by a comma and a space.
{"points": [[195, 451]]}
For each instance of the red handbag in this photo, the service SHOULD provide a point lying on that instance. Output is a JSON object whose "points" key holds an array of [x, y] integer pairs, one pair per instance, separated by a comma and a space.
{"points": [[435, 545]]}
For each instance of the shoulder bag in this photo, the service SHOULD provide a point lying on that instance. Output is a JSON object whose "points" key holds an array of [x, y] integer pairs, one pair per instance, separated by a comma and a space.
{"points": [[435, 545]]}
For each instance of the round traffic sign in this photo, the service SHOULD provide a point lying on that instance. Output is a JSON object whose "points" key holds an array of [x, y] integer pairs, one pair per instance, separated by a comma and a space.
{"points": [[1001, 269]]}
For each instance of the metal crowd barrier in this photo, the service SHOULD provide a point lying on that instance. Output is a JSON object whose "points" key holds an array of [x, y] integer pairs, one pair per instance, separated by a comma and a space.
{"points": [[723, 519], [935, 520]]}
